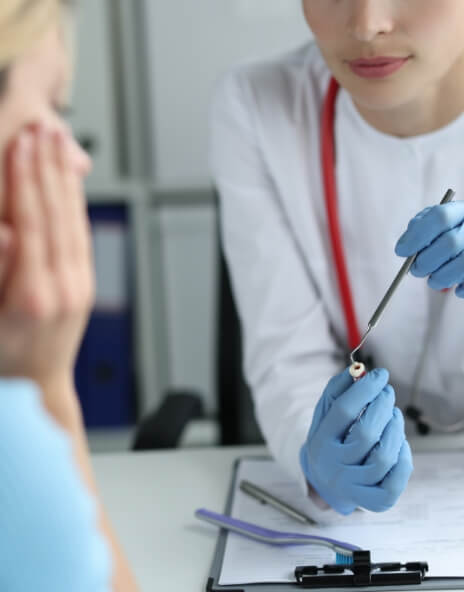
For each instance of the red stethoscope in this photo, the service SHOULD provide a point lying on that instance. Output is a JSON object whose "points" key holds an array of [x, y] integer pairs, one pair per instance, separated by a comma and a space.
{"points": [[330, 187], [328, 161]]}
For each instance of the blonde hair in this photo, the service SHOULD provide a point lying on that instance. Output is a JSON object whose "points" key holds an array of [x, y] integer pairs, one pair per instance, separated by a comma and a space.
{"points": [[22, 23]]}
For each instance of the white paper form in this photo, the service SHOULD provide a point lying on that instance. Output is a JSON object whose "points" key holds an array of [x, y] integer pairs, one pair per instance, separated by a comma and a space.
{"points": [[427, 524]]}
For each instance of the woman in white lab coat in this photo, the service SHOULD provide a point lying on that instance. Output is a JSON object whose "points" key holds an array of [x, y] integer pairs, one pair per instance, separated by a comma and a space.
{"points": [[396, 146]]}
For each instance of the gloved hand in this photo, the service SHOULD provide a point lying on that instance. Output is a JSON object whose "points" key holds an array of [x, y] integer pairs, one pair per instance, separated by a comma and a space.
{"points": [[354, 458], [437, 234]]}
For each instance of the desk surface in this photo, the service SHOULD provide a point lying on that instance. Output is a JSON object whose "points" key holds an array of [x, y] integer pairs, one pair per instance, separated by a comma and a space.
{"points": [[151, 499]]}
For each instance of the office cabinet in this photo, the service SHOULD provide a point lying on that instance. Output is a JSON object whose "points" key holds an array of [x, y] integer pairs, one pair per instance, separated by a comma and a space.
{"points": [[105, 376]]}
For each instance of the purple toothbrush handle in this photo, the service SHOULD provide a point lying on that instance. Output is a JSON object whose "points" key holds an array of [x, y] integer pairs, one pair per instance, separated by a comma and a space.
{"points": [[273, 536]]}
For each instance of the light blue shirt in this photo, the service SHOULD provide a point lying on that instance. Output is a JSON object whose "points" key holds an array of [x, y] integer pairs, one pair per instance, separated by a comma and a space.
{"points": [[49, 541]]}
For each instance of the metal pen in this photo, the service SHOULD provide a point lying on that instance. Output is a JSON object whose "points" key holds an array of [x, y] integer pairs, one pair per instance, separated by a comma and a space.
{"points": [[267, 498], [394, 285]]}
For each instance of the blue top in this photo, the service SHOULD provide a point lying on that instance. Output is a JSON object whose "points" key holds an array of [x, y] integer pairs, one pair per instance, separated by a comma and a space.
{"points": [[49, 541]]}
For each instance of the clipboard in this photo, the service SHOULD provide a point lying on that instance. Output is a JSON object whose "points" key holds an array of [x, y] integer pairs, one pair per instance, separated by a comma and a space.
{"points": [[428, 583]]}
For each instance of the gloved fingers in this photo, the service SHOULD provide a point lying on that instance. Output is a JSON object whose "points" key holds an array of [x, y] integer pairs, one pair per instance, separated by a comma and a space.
{"points": [[384, 496], [336, 386], [429, 224], [368, 430], [448, 275], [384, 456], [346, 409], [460, 291], [397, 479], [445, 248]]}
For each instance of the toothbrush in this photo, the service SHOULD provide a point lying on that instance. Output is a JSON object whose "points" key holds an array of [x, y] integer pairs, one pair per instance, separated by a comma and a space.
{"points": [[343, 551]]}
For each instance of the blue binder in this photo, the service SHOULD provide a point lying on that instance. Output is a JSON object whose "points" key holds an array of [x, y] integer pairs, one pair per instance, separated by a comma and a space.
{"points": [[105, 365]]}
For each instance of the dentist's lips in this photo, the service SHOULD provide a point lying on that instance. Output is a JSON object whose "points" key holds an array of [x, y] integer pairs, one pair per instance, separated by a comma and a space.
{"points": [[379, 67]]}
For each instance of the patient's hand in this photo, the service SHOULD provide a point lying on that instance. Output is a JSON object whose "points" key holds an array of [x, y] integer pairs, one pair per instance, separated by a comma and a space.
{"points": [[46, 266]]}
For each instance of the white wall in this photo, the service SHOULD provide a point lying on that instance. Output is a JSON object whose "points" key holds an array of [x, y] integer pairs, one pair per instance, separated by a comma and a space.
{"points": [[190, 43]]}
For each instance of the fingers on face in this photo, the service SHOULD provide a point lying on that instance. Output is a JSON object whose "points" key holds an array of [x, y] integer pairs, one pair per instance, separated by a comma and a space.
{"points": [[52, 199], [6, 251], [27, 290], [78, 283], [47, 211], [78, 227], [25, 205], [75, 199]]}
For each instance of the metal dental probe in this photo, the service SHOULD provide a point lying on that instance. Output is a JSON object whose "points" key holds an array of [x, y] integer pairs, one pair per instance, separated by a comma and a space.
{"points": [[392, 289]]}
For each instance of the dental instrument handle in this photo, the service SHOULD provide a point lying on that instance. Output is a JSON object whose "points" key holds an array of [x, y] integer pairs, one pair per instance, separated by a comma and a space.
{"points": [[391, 290], [402, 272], [449, 195]]}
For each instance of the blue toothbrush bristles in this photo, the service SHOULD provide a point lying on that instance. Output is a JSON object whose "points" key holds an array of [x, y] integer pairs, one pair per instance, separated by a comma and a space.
{"points": [[342, 559]]}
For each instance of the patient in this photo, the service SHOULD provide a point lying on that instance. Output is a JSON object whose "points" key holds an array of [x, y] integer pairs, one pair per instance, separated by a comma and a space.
{"points": [[54, 535]]}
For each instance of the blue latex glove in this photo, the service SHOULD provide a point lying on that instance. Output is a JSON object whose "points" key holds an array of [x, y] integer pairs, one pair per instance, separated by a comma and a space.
{"points": [[354, 458], [437, 234]]}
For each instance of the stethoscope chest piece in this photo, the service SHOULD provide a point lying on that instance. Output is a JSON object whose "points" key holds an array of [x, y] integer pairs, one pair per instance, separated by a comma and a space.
{"points": [[415, 415]]}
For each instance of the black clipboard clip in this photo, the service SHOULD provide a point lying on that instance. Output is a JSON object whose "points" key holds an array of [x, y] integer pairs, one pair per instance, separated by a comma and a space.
{"points": [[361, 573]]}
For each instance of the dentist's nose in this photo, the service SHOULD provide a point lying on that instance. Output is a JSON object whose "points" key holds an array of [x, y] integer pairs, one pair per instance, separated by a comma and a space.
{"points": [[368, 19]]}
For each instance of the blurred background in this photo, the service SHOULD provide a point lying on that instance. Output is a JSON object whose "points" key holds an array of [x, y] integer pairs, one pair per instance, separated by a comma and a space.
{"points": [[162, 345]]}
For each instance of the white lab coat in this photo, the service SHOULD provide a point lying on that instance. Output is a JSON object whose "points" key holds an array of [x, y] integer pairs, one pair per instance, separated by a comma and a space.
{"points": [[265, 156]]}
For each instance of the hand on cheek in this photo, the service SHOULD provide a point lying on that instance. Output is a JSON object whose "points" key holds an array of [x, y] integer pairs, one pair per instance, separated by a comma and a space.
{"points": [[6, 248], [47, 289]]}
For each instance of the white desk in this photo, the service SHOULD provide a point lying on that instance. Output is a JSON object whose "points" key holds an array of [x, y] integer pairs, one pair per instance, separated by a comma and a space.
{"points": [[151, 499]]}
